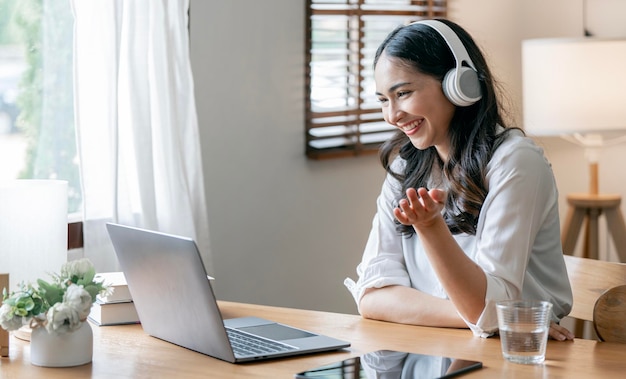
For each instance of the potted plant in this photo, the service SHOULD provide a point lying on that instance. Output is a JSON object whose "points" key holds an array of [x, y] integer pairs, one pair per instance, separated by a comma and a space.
{"points": [[57, 312]]}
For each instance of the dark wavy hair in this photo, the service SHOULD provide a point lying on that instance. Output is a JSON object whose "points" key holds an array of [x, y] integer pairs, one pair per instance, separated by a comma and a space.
{"points": [[473, 129]]}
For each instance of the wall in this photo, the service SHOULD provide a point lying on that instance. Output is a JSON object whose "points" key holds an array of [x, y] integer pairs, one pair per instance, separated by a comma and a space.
{"points": [[285, 230]]}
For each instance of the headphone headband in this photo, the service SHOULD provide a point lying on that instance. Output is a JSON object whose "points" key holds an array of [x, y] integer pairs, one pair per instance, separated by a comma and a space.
{"points": [[460, 85], [452, 39]]}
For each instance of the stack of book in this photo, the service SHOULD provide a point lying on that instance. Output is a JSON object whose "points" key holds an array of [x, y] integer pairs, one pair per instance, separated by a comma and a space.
{"points": [[116, 308]]}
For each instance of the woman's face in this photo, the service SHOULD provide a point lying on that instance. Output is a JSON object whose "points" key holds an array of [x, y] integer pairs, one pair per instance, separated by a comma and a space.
{"points": [[414, 103]]}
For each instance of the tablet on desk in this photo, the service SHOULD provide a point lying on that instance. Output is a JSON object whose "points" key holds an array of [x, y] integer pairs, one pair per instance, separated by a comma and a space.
{"points": [[387, 364]]}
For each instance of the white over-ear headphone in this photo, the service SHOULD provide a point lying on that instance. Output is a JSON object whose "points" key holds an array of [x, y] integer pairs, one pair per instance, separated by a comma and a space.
{"points": [[460, 84]]}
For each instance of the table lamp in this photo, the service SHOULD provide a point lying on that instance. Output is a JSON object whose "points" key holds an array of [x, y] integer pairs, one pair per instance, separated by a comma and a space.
{"points": [[574, 88], [33, 230]]}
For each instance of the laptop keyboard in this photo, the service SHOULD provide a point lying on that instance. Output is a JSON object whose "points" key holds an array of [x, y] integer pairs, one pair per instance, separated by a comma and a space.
{"points": [[245, 344]]}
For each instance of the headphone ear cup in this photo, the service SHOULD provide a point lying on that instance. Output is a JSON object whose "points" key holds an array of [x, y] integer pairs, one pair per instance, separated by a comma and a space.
{"points": [[468, 90]]}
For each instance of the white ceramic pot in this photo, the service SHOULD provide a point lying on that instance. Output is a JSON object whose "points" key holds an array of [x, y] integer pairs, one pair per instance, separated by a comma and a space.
{"points": [[61, 350]]}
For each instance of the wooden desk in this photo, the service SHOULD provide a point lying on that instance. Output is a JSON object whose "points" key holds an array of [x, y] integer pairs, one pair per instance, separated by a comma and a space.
{"points": [[127, 352]]}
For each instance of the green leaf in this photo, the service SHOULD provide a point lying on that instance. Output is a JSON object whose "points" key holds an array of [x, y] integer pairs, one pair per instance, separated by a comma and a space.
{"points": [[20, 312], [87, 278], [51, 294], [39, 306], [26, 303], [93, 290]]}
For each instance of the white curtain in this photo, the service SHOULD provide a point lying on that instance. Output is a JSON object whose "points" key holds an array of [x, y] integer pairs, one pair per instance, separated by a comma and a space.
{"points": [[137, 125]]}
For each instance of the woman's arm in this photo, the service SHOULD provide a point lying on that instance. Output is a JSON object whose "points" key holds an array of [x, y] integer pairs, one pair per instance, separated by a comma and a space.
{"points": [[407, 305], [464, 281]]}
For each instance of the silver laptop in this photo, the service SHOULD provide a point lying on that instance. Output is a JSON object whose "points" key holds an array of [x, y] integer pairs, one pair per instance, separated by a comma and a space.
{"points": [[175, 302]]}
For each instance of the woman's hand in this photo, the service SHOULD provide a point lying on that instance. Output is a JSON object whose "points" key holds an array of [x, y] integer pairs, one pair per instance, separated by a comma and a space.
{"points": [[560, 333], [421, 207]]}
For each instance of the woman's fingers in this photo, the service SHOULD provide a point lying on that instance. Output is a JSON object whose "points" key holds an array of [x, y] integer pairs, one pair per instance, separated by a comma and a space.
{"points": [[560, 333], [438, 195], [419, 206]]}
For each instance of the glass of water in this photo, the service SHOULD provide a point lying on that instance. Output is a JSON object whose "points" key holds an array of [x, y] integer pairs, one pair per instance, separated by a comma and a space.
{"points": [[524, 327]]}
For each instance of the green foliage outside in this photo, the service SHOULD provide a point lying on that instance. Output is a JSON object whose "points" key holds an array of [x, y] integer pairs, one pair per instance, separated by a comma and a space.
{"points": [[45, 30], [7, 34]]}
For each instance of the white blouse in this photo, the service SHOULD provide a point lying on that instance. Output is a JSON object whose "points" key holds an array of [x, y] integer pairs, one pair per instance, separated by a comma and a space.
{"points": [[517, 241]]}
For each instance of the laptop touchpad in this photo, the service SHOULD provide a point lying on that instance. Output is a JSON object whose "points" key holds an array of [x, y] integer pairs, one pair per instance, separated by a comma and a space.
{"points": [[276, 332]]}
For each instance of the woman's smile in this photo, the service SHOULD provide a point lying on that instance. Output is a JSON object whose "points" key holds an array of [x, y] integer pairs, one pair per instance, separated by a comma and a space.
{"points": [[411, 128]]}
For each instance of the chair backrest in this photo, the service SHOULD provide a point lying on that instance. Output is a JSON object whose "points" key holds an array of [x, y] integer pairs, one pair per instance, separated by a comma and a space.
{"points": [[609, 315], [590, 278]]}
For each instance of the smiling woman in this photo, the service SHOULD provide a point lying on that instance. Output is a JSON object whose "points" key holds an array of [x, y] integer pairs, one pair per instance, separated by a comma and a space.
{"points": [[468, 213]]}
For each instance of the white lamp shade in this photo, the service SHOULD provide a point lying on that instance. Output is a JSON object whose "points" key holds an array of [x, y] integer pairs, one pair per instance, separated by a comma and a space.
{"points": [[574, 85], [33, 229]]}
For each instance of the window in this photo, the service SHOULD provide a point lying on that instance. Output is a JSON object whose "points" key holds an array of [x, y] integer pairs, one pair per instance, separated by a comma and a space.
{"points": [[343, 117], [37, 133]]}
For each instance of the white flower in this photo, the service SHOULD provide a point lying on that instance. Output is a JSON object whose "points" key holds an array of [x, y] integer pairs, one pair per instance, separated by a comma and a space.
{"points": [[78, 267], [78, 298], [62, 319], [68, 315], [8, 320]]}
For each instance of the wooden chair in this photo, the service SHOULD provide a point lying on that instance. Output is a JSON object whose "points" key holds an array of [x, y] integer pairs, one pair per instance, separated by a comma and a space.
{"points": [[590, 279], [609, 315]]}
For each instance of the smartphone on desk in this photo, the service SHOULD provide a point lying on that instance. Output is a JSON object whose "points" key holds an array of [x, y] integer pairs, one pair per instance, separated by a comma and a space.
{"points": [[387, 364]]}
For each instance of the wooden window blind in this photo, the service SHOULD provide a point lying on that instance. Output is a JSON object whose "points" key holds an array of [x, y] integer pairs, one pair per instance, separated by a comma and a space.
{"points": [[343, 116]]}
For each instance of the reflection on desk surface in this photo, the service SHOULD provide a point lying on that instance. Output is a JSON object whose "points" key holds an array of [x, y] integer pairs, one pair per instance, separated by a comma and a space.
{"points": [[386, 364]]}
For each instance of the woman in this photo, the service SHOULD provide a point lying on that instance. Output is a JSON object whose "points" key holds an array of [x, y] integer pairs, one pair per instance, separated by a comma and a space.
{"points": [[468, 213]]}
